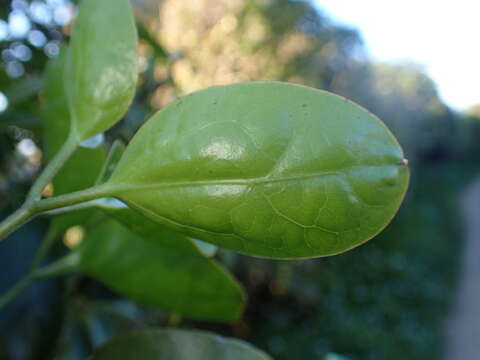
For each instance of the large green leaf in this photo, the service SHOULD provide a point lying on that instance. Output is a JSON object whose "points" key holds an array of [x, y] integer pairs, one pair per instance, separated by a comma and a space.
{"points": [[178, 345], [267, 169], [102, 65], [160, 269]]}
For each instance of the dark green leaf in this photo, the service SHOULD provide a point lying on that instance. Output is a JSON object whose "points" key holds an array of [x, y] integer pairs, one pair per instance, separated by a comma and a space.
{"points": [[267, 169], [178, 345], [161, 269], [102, 65]]}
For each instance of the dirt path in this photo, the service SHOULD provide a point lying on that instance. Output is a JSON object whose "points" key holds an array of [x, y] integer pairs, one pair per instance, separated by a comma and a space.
{"points": [[463, 325]]}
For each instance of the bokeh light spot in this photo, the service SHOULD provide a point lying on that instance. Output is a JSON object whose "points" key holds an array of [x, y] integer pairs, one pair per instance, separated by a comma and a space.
{"points": [[63, 14], [52, 49], [27, 147], [37, 38], [73, 236], [3, 102], [19, 24], [40, 13], [3, 30], [15, 69]]}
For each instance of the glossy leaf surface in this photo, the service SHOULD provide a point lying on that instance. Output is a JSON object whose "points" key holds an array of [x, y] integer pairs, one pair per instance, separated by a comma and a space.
{"points": [[102, 65], [178, 345], [159, 269], [267, 169]]}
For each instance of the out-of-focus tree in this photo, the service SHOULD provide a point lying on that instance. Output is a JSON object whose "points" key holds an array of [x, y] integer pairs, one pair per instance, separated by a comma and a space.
{"points": [[470, 134], [217, 42], [474, 111]]}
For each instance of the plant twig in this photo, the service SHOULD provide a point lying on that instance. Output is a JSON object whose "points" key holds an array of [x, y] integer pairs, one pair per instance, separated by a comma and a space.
{"points": [[16, 290], [44, 247], [14, 221], [35, 274], [27, 212]]}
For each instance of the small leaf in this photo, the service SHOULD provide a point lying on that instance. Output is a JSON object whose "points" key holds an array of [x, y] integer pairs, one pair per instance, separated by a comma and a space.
{"points": [[267, 169], [101, 70], [178, 345], [170, 274]]}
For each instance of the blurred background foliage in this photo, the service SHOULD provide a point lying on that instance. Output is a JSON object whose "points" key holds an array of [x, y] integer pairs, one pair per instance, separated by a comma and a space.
{"points": [[385, 300]]}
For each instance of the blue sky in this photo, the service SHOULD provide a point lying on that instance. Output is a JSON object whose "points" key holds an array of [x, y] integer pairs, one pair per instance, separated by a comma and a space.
{"points": [[443, 36]]}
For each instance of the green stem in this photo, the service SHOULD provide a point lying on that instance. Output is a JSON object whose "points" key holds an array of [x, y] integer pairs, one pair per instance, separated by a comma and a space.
{"points": [[28, 211], [14, 221], [69, 209], [58, 268], [52, 168], [33, 206], [74, 198], [47, 243], [16, 290]]}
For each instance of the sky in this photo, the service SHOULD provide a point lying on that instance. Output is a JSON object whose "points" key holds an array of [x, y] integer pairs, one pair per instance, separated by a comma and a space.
{"points": [[441, 35]]}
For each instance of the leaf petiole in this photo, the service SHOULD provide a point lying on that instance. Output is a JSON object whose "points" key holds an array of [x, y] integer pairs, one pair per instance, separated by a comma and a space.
{"points": [[29, 211]]}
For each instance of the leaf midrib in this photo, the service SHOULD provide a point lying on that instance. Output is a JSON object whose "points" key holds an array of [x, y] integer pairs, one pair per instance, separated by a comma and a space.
{"points": [[124, 187], [118, 187]]}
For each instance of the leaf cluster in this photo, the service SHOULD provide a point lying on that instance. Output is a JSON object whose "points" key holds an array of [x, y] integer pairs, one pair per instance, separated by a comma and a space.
{"points": [[262, 168]]}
